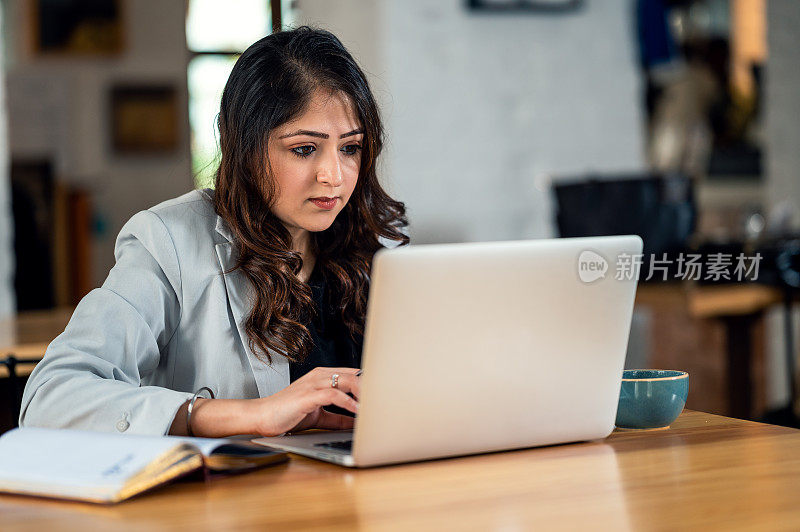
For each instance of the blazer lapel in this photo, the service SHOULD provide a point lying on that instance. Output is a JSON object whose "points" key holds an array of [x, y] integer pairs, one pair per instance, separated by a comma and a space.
{"points": [[269, 378]]}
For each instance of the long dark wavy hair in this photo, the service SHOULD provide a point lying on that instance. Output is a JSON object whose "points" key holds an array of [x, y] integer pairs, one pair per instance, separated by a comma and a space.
{"points": [[271, 84]]}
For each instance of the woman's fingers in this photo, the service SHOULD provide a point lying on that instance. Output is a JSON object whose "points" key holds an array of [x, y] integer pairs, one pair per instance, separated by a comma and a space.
{"points": [[325, 371], [333, 396], [347, 382], [341, 370], [300, 404], [331, 421], [328, 372]]}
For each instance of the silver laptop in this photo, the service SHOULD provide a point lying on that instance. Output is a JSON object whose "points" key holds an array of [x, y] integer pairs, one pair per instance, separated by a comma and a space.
{"points": [[481, 347]]}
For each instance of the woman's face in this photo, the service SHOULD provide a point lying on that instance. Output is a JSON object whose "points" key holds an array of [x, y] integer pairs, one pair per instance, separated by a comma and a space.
{"points": [[317, 155]]}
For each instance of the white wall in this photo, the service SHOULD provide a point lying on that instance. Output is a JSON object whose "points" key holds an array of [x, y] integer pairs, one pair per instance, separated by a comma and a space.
{"points": [[782, 98], [60, 107], [782, 132], [7, 299], [480, 109]]}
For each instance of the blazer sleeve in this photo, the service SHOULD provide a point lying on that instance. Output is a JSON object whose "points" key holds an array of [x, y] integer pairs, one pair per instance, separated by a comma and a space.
{"points": [[91, 374]]}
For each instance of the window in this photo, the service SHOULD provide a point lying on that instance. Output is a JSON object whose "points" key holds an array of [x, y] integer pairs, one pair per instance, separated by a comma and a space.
{"points": [[216, 34]]}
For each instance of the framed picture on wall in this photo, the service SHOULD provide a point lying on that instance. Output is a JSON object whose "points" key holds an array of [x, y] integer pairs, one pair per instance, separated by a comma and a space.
{"points": [[77, 27], [144, 119]]}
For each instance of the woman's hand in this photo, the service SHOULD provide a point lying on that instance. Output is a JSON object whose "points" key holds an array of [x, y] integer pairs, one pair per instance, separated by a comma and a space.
{"points": [[299, 406]]}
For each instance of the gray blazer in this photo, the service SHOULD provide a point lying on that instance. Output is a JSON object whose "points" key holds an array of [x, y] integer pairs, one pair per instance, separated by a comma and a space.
{"points": [[165, 322]]}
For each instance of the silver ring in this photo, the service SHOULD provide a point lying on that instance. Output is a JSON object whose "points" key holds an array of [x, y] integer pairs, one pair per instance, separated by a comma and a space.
{"points": [[334, 380]]}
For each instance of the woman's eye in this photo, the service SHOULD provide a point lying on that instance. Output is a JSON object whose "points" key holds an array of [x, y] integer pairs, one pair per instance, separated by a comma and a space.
{"points": [[351, 149], [303, 151]]}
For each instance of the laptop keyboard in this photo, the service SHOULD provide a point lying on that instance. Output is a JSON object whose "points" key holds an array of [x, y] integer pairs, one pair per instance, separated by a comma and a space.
{"points": [[345, 445]]}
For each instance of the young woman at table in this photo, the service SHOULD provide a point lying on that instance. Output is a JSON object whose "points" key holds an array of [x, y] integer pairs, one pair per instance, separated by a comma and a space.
{"points": [[257, 289]]}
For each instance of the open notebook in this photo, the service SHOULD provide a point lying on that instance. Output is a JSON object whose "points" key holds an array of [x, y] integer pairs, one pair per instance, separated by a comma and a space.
{"points": [[106, 468]]}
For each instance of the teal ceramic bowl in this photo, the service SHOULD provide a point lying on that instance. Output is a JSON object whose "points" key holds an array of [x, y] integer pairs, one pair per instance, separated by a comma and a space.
{"points": [[651, 398]]}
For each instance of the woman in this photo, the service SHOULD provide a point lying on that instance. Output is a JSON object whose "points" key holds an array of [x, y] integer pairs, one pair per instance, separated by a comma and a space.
{"points": [[255, 290]]}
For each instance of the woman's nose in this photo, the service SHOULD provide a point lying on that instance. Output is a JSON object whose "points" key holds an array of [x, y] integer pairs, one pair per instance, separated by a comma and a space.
{"points": [[330, 172]]}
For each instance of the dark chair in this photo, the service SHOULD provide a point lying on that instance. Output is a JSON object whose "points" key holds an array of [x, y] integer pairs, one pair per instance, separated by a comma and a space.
{"points": [[14, 389], [659, 208]]}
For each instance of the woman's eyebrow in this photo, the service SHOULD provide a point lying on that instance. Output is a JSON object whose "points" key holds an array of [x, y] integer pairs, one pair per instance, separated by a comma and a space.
{"points": [[319, 134]]}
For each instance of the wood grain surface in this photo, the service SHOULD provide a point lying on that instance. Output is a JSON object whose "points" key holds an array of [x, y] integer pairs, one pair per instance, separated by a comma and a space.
{"points": [[705, 472]]}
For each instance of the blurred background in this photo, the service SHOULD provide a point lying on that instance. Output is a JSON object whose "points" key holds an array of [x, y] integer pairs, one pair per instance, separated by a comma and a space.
{"points": [[678, 120]]}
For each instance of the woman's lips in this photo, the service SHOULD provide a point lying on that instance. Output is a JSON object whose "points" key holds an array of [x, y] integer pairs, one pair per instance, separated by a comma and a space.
{"points": [[325, 203]]}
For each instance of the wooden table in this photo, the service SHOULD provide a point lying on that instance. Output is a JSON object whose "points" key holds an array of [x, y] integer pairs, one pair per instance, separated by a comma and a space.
{"points": [[739, 307], [25, 338], [33, 332], [704, 472]]}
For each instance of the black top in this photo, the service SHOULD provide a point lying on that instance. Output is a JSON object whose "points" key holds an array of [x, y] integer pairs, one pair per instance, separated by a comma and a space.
{"points": [[333, 346]]}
